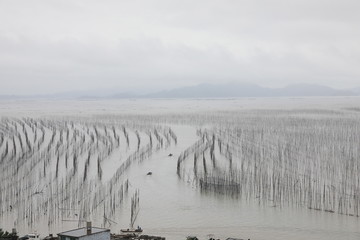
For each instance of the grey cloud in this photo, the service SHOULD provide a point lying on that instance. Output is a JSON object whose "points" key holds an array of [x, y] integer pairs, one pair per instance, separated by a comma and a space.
{"points": [[51, 46]]}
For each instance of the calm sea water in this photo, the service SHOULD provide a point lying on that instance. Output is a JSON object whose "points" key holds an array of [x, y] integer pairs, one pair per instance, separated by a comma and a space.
{"points": [[175, 208]]}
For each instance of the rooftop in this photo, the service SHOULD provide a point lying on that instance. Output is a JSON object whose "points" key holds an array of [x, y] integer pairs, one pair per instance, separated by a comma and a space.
{"points": [[82, 232]]}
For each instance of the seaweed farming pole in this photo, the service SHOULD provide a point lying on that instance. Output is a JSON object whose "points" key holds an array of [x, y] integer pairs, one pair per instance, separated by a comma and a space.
{"points": [[134, 208]]}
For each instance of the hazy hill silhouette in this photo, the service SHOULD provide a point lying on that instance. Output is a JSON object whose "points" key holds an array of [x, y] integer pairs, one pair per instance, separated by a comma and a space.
{"points": [[231, 90], [228, 90]]}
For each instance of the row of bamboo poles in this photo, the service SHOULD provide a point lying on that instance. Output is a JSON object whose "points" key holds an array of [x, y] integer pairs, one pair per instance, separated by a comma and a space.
{"points": [[52, 169], [301, 161]]}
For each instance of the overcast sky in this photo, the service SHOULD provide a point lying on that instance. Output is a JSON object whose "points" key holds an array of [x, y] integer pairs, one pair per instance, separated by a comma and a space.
{"points": [[54, 46]]}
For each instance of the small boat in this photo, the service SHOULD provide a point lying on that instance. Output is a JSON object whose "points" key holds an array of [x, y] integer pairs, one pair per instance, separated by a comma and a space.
{"points": [[30, 236], [133, 215], [131, 230], [191, 238]]}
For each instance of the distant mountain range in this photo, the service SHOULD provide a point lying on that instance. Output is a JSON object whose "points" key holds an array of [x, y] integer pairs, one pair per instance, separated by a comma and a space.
{"points": [[250, 90], [228, 90], [356, 90]]}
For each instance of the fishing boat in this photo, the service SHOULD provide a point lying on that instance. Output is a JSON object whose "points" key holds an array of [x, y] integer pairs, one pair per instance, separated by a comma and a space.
{"points": [[132, 230], [134, 213], [30, 236], [191, 238]]}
